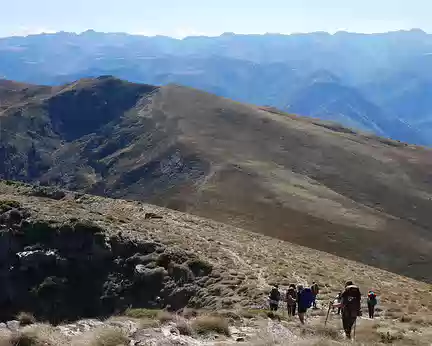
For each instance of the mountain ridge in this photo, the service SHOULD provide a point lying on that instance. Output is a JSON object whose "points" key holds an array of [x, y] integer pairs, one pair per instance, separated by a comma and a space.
{"points": [[260, 69], [298, 179]]}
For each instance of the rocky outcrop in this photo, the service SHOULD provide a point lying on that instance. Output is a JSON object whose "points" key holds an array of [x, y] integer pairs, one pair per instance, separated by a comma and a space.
{"points": [[69, 270]]}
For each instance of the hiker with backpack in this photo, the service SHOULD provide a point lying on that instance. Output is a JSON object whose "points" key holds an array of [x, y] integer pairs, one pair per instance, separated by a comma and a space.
{"points": [[371, 303], [338, 302], [304, 301], [274, 298], [351, 307], [291, 300], [315, 291]]}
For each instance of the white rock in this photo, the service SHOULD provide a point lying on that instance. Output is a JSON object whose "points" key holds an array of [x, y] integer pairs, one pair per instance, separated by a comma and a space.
{"points": [[13, 325]]}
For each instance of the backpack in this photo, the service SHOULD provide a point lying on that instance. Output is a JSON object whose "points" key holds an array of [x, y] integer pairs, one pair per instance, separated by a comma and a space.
{"points": [[291, 297], [315, 289], [351, 300], [372, 298], [275, 294], [306, 298]]}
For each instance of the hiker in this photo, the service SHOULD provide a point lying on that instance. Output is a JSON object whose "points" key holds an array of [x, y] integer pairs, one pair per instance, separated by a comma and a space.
{"points": [[371, 302], [291, 300], [274, 298], [338, 301], [304, 301], [315, 291], [350, 304]]}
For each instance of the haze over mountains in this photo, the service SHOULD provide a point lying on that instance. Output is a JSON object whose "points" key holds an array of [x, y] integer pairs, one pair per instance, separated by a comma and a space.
{"points": [[298, 179], [379, 82]]}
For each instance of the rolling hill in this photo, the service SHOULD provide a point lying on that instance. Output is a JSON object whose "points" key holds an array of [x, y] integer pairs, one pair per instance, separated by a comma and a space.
{"points": [[310, 182]]}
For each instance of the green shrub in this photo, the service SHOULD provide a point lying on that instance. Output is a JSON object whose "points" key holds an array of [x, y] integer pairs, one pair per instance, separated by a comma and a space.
{"points": [[6, 205], [143, 313]]}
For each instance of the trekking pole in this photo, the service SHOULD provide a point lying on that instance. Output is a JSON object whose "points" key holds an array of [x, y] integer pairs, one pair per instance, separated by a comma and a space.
{"points": [[328, 313]]}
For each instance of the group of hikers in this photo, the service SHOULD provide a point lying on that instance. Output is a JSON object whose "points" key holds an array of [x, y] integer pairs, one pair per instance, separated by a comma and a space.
{"points": [[347, 302]]}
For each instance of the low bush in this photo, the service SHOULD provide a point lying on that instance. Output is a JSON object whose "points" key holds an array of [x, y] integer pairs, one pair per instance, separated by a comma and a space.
{"points": [[25, 318], [109, 337], [6, 205], [103, 336], [206, 324], [48, 192], [165, 316], [184, 327], [143, 313], [252, 313], [38, 335]]}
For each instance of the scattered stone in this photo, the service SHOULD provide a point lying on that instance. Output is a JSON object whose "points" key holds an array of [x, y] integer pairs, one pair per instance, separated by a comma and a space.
{"points": [[152, 216]]}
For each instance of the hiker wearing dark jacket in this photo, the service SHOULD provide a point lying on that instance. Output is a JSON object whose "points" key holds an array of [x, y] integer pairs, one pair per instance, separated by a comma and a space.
{"points": [[291, 300], [315, 291], [350, 304], [304, 301], [371, 302], [274, 298]]}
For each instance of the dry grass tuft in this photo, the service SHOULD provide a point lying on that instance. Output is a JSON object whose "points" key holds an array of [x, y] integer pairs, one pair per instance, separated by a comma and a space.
{"points": [[26, 318], [184, 327], [206, 324], [252, 313], [190, 313], [146, 323], [322, 332], [103, 336], [165, 316], [38, 335]]}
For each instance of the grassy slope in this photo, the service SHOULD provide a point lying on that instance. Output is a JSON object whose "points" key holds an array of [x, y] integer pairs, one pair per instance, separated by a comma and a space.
{"points": [[248, 262], [301, 180]]}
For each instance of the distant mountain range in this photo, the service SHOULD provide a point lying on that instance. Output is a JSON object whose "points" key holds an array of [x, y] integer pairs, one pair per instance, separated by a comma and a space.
{"points": [[378, 82], [310, 182]]}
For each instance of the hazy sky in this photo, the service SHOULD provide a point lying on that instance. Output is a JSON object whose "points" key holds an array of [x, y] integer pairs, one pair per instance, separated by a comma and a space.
{"points": [[181, 18]]}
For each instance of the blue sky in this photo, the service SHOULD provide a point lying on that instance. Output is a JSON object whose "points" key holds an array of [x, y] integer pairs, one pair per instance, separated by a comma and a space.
{"points": [[181, 18]]}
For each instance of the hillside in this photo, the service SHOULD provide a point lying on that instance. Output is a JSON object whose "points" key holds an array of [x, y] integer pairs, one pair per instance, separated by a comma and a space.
{"points": [[81, 256], [380, 76], [313, 183]]}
